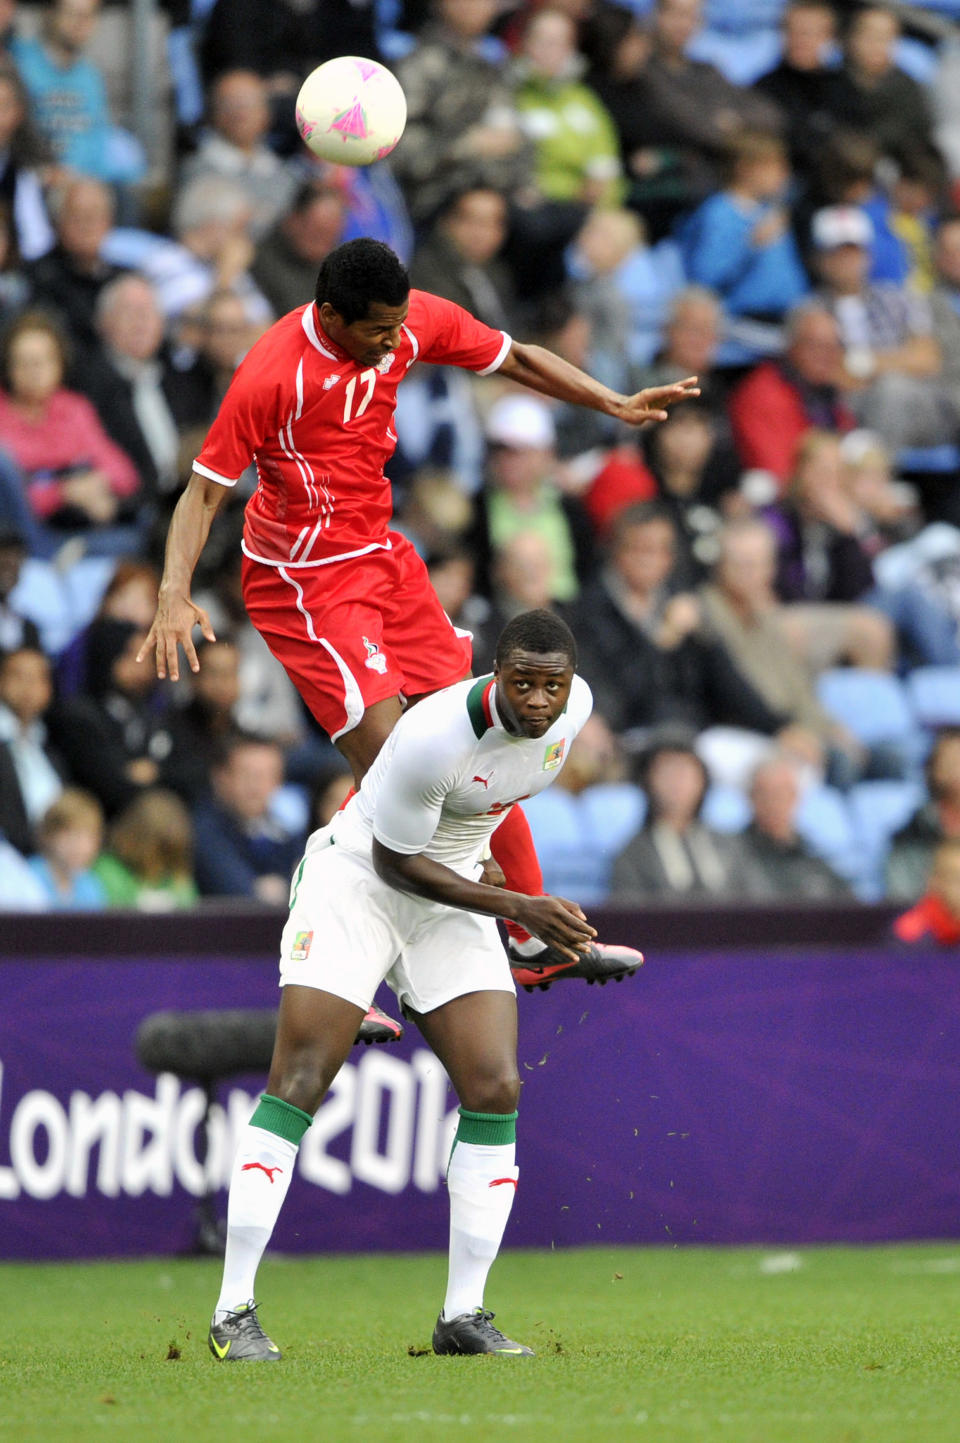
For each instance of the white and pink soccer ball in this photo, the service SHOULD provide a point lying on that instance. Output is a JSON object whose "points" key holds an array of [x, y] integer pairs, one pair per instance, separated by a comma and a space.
{"points": [[351, 111]]}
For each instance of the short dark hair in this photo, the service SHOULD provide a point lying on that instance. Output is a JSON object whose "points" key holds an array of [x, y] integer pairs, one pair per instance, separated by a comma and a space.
{"points": [[360, 273], [541, 632]]}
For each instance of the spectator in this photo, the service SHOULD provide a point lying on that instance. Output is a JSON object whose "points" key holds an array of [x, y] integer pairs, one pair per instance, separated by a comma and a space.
{"points": [[241, 850], [697, 476], [20, 157], [640, 649], [30, 769], [462, 123], [236, 148], [801, 85], [16, 631], [576, 148], [76, 477], [741, 608], [776, 404], [871, 94], [201, 727], [224, 336], [892, 364], [675, 855], [662, 179], [68, 279], [522, 495], [211, 251], [113, 741], [625, 287], [288, 257], [936, 917], [945, 303], [689, 104], [15, 289], [521, 576], [825, 557], [689, 348], [938, 820], [68, 94], [133, 383], [779, 865], [19, 889], [739, 241], [148, 864], [459, 257], [282, 41], [69, 837], [130, 595]]}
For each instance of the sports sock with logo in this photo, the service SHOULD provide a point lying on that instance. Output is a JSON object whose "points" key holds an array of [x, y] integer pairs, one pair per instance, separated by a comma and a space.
{"points": [[261, 1174], [482, 1183], [512, 847]]}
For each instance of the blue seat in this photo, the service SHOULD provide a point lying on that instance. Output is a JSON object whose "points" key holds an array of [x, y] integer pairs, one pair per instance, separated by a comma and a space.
{"points": [[872, 704], [934, 693], [825, 824], [577, 837], [726, 809], [878, 809]]}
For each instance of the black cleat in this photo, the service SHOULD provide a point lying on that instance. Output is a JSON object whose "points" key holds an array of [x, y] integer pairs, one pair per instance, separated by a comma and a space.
{"points": [[475, 1333], [600, 963], [239, 1338], [378, 1027]]}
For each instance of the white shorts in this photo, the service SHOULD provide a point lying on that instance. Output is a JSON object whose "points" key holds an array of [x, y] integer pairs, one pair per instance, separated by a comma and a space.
{"points": [[348, 931]]}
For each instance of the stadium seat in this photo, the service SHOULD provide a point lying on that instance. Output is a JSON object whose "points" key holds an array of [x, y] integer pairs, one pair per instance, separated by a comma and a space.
{"points": [[577, 837], [726, 809], [934, 693], [873, 704], [825, 824], [877, 810]]}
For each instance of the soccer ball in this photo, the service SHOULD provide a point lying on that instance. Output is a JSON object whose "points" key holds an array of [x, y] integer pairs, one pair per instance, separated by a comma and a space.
{"points": [[351, 111]]}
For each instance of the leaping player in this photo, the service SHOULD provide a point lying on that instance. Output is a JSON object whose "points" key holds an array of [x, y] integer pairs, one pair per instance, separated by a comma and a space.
{"points": [[344, 602]]}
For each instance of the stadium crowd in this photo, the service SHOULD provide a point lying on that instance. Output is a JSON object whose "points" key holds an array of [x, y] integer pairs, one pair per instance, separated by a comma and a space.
{"points": [[765, 588]]}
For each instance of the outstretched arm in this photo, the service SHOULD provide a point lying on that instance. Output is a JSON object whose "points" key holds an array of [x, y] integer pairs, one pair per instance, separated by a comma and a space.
{"points": [[176, 614], [552, 919], [549, 374]]}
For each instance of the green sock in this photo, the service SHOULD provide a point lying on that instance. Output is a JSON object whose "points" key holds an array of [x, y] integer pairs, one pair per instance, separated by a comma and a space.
{"points": [[281, 1118]]}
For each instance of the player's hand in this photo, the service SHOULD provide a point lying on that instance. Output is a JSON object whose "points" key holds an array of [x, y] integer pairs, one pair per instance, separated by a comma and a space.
{"points": [[557, 921], [651, 404], [172, 627], [491, 873]]}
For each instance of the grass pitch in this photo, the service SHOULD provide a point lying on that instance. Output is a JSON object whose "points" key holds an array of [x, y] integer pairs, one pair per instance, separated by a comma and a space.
{"points": [[829, 1345]]}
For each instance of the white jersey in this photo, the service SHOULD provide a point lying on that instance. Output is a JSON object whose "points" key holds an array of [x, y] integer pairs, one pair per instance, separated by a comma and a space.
{"points": [[449, 772]]}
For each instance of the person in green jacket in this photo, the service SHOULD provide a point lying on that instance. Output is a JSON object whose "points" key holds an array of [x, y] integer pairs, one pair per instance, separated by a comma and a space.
{"points": [[576, 144]]}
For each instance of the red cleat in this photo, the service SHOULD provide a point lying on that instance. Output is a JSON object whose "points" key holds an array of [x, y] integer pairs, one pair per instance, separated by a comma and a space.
{"points": [[600, 963]]}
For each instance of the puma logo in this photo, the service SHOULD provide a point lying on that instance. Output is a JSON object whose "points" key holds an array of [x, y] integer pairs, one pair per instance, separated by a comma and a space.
{"points": [[484, 781], [499, 1182], [249, 1166]]}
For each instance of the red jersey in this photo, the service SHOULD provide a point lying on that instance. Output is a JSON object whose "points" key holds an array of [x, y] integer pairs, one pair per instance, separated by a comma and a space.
{"points": [[319, 426]]}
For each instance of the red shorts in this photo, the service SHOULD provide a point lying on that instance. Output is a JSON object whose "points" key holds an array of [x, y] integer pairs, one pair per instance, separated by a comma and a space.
{"points": [[356, 632]]}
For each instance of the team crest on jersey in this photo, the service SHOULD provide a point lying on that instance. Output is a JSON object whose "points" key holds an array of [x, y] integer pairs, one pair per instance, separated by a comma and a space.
{"points": [[553, 756], [329, 382], [300, 950], [376, 660], [385, 362]]}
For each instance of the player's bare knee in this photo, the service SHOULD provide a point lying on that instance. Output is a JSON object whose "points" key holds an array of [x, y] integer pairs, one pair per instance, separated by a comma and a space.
{"points": [[496, 1091], [301, 1079]]}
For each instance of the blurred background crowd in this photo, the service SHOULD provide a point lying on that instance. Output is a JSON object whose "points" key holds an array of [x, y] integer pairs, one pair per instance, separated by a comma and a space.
{"points": [[765, 589]]}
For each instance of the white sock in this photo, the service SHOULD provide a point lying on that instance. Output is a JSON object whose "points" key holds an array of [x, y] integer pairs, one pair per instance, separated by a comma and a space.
{"points": [[530, 948], [262, 1170], [482, 1183]]}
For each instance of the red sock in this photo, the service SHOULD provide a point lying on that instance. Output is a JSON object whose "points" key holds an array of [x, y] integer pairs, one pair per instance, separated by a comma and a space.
{"points": [[512, 847]]}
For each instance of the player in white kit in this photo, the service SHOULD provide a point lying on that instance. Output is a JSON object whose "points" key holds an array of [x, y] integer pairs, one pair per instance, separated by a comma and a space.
{"points": [[387, 891]]}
